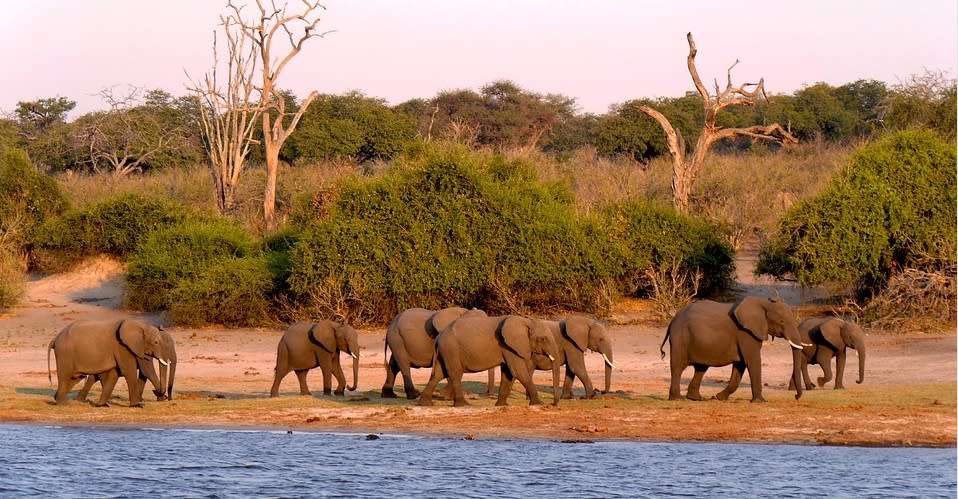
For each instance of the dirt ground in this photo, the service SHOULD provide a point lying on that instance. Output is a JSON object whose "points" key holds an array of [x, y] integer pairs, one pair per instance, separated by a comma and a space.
{"points": [[908, 397]]}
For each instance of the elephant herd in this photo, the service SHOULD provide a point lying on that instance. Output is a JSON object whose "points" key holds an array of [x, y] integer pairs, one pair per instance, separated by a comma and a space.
{"points": [[454, 341]]}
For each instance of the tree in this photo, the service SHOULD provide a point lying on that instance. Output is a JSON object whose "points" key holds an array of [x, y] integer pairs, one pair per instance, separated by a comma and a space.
{"points": [[36, 116], [134, 132], [229, 115], [686, 169]]}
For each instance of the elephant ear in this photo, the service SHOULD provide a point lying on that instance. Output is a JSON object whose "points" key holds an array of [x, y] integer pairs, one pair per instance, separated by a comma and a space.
{"points": [[577, 331], [132, 335], [749, 313], [323, 335], [833, 333], [515, 334]]}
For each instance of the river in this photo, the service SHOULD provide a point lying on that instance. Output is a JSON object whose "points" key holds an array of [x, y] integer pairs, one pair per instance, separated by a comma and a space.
{"points": [[51, 461]]}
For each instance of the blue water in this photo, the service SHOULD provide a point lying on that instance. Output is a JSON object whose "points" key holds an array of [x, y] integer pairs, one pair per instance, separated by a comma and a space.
{"points": [[37, 461]]}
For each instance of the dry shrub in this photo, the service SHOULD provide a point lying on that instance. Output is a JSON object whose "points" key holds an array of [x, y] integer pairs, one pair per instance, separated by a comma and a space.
{"points": [[915, 300], [673, 286], [13, 277]]}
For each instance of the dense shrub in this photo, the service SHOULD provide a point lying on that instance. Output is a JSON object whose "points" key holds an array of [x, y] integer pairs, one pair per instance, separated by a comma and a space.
{"points": [[451, 227], [114, 227], [12, 277], [202, 271], [27, 199], [892, 207]]}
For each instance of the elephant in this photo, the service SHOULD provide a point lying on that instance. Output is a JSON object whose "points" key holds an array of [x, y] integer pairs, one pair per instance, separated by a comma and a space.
{"points": [[306, 345], [411, 337], [167, 372], [107, 350], [475, 344], [829, 337], [707, 334], [574, 336]]}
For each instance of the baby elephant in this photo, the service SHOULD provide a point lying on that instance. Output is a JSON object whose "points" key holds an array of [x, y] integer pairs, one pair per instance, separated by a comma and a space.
{"points": [[308, 345], [829, 337]]}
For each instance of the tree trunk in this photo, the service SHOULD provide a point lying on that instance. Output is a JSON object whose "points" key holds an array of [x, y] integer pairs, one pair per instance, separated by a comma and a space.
{"points": [[269, 196]]}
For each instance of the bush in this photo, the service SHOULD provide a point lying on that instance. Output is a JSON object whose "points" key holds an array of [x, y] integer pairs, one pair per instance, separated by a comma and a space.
{"points": [[202, 271], [114, 227], [451, 227], [12, 277], [891, 208], [27, 199]]}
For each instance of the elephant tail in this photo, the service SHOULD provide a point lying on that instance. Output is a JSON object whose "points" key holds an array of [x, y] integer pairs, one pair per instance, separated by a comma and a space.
{"points": [[668, 332], [49, 348]]}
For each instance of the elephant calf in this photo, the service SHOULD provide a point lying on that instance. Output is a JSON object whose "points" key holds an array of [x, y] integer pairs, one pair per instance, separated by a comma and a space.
{"points": [[308, 345], [824, 338]]}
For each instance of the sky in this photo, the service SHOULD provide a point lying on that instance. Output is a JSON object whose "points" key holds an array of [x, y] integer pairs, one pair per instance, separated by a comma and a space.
{"points": [[600, 52]]}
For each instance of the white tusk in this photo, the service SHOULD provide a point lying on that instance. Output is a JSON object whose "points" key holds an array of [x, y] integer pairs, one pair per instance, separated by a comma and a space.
{"points": [[552, 359], [808, 344], [164, 362], [355, 356], [796, 346], [607, 361]]}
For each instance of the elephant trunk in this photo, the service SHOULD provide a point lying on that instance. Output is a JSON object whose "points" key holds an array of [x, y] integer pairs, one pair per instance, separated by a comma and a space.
{"points": [[860, 349], [169, 381], [355, 372], [797, 357], [607, 357], [556, 373]]}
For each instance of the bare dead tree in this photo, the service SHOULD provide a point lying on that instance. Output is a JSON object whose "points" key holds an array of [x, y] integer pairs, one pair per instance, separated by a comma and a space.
{"points": [[228, 113], [277, 29], [685, 169]]}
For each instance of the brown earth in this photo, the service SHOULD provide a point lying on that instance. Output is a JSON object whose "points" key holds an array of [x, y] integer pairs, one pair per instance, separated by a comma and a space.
{"points": [[908, 398]]}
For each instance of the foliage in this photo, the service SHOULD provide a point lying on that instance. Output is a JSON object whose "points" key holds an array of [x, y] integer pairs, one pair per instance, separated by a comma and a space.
{"points": [[891, 208], [479, 230], [923, 101], [27, 199], [12, 276], [114, 226], [349, 126], [202, 271]]}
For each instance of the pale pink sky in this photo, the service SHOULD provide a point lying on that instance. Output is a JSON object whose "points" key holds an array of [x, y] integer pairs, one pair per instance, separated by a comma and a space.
{"points": [[600, 52]]}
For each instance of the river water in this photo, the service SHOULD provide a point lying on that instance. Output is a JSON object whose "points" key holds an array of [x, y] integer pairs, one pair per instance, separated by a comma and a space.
{"points": [[43, 461]]}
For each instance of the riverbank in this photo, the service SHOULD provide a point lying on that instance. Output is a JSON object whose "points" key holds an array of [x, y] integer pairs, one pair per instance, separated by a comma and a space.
{"points": [[224, 375]]}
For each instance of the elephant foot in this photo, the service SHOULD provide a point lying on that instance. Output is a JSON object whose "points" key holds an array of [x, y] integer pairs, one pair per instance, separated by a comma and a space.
{"points": [[325, 392], [138, 405], [810, 386], [759, 400], [463, 403], [412, 395], [697, 397], [839, 387], [822, 381], [101, 404], [424, 402], [340, 393], [675, 396], [388, 394], [535, 402], [273, 395]]}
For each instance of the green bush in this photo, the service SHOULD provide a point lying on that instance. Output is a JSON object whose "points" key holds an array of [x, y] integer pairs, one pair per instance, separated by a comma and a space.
{"points": [[892, 207], [27, 199], [453, 227], [12, 277], [202, 271], [113, 227]]}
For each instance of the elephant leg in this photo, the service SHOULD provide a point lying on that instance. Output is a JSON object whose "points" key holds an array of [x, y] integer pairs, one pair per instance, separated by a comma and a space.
{"points": [[576, 365], [734, 379], [805, 377], [326, 366], [65, 383], [525, 377], [839, 369], [567, 383], [107, 382], [825, 361], [85, 390], [134, 387], [278, 374], [301, 376], [491, 382], [675, 387], [340, 377], [696, 383], [755, 378], [505, 385], [438, 373], [392, 368]]}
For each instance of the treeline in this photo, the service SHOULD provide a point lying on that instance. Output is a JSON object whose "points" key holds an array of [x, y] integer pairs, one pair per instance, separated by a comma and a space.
{"points": [[144, 130]]}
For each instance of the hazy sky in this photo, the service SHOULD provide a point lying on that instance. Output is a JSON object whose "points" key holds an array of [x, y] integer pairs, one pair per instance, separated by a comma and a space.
{"points": [[600, 52]]}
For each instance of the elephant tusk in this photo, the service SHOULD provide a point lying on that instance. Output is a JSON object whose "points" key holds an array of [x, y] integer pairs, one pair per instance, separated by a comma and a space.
{"points": [[355, 356], [607, 361], [163, 362], [808, 344], [796, 346], [552, 359]]}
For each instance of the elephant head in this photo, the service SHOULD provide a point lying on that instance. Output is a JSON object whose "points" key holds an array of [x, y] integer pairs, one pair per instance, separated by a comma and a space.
{"points": [[336, 337], [526, 337], [589, 334], [764, 316], [840, 334], [167, 372], [143, 340]]}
